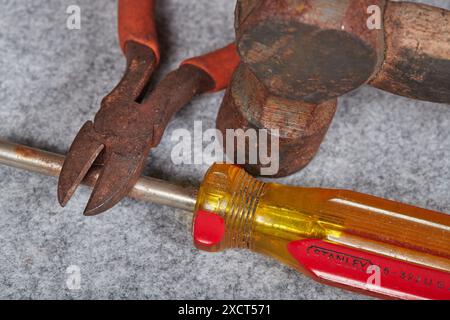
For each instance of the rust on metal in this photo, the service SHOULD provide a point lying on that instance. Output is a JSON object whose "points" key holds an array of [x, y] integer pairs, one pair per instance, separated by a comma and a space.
{"points": [[50, 164], [176, 90], [107, 139], [302, 126], [315, 50], [309, 50], [298, 56], [125, 129]]}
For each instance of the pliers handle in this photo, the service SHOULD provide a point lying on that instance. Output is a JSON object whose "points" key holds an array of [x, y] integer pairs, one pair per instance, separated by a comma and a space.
{"points": [[219, 65], [137, 23], [208, 73]]}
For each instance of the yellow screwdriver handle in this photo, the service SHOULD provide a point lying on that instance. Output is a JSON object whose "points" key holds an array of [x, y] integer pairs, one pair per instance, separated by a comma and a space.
{"points": [[347, 239]]}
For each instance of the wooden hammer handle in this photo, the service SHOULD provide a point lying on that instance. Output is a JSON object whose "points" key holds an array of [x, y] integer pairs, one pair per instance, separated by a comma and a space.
{"points": [[417, 61]]}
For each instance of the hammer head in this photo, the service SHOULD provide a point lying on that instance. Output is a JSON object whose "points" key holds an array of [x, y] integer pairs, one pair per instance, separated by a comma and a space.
{"points": [[309, 50]]}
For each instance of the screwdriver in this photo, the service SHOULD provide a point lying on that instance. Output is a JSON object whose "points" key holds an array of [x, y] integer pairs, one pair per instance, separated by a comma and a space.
{"points": [[341, 238]]}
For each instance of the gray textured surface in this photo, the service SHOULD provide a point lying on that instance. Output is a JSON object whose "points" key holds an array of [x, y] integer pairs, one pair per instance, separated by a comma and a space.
{"points": [[51, 81]]}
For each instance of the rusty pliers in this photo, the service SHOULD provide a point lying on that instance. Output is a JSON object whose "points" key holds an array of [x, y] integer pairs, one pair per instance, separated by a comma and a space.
{"points": [[126, 127]]}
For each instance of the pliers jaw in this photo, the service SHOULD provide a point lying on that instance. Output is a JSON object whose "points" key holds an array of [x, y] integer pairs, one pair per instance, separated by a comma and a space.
{"points": [[84, 151], [118, 174], [118, 140]]}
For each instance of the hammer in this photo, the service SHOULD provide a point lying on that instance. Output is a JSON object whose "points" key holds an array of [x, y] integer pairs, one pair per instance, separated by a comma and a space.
{"points": [[299, 56]]}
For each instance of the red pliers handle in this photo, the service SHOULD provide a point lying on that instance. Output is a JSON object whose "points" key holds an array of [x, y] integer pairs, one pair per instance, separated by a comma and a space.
{"points": [[137, 23], [219, 65]]}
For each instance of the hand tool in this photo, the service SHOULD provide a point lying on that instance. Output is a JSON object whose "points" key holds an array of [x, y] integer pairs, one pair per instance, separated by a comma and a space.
{"points": [[317, 50], [341, 238], [299, 56], [301, 126], [126, 128]]}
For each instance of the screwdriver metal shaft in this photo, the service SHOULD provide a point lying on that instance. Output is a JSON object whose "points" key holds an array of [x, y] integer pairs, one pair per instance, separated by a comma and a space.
{"points": [[147, 189]]}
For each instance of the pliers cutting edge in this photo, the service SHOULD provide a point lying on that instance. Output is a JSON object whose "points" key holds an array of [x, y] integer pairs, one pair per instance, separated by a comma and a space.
{"points": [[126, 128]]}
